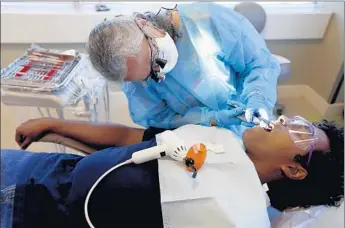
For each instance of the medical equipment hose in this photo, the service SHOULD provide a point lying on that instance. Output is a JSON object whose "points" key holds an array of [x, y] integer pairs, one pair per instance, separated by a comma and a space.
{"points": [[172, 147], [138, 157], [129, 161]]}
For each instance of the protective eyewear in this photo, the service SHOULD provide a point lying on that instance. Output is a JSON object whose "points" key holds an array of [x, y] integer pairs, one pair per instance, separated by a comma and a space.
{"points": [[302, 133], [154, 56]]}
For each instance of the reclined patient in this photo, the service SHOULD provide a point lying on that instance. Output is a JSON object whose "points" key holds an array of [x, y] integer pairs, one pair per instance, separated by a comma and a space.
{"points": [[49, 189]]}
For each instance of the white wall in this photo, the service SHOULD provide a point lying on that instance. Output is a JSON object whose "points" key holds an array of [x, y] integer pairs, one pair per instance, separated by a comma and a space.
{"points": [[340, 98], [316, 63], [339, 18]]}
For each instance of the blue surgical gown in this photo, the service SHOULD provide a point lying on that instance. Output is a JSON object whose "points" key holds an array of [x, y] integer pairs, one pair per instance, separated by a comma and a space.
{"points": [[221, 57]]}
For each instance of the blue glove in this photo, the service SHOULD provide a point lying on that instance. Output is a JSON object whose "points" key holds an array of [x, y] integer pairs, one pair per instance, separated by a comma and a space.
{"points": [[225, 118], [256, 108]]}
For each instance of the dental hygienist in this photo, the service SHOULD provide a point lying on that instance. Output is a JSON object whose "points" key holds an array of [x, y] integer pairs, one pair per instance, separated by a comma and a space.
{"points": [[185, 65]]}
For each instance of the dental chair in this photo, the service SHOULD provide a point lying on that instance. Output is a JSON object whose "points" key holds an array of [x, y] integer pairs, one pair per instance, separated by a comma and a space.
{"points": [[73, 144], [257, 16]]}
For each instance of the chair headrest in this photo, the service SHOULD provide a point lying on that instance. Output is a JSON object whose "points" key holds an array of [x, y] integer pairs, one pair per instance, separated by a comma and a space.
{"points": [[254, 12]]}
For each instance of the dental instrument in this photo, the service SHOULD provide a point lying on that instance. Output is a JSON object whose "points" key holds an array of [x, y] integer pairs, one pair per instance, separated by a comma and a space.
{"points": [[268, 124], [172, 147], [56, 73], [45, 79]]}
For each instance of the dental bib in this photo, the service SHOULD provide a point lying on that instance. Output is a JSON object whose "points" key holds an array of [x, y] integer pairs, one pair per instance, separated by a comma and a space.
{"points": [[227, 191]]}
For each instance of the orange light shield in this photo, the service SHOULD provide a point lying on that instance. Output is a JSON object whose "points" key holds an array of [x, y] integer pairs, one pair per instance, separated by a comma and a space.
{"points": [[198, 153]]}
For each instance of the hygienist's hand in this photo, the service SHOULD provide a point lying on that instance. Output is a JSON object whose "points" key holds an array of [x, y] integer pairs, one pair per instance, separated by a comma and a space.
{"points": [[256, 107], [252, 112], [227, 117], [33, 130]]}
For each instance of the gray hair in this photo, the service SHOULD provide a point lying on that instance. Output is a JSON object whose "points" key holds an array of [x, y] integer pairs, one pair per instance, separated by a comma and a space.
{"points": [[111, 43]]}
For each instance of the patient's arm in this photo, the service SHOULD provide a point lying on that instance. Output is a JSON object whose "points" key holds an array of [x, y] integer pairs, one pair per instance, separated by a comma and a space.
{"points": [[98, 136]]}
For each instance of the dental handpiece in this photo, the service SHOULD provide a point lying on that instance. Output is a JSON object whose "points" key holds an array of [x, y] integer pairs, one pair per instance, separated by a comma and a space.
{"points": [[256, 115]]}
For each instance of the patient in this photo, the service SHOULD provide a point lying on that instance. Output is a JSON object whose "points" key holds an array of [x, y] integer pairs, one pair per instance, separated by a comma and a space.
{"points": [[49, 189]]}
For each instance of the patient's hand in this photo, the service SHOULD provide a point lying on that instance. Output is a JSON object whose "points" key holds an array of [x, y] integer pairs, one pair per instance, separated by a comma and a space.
{"points": [[33, 130]]}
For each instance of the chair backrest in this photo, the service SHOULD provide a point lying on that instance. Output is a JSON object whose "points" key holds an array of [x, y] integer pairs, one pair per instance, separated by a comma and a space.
{"points": [[255, 14]]}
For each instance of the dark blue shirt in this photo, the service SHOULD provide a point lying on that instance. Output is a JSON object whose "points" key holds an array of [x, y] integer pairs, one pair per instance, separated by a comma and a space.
{"points": [[50, 188]]}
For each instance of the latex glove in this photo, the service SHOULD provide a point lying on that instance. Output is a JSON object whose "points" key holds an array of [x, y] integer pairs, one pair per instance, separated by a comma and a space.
{"points": [[257, 104], [250, 116]]}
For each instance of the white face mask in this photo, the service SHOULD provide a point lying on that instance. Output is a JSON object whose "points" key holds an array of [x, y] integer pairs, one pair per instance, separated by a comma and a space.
{"points": [[168, 52]]}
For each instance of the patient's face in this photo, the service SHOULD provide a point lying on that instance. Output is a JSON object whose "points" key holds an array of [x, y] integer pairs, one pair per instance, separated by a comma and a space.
{"points": [[277, 146], [274, 145]]}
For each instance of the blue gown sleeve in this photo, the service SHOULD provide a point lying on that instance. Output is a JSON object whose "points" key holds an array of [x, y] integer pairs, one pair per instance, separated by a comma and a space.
{"points": [[148, 110], [246, 52], [260, 72]]}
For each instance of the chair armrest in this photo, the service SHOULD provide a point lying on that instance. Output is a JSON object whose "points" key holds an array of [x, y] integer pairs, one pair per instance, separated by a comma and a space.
{"points": [[68, 142]]}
